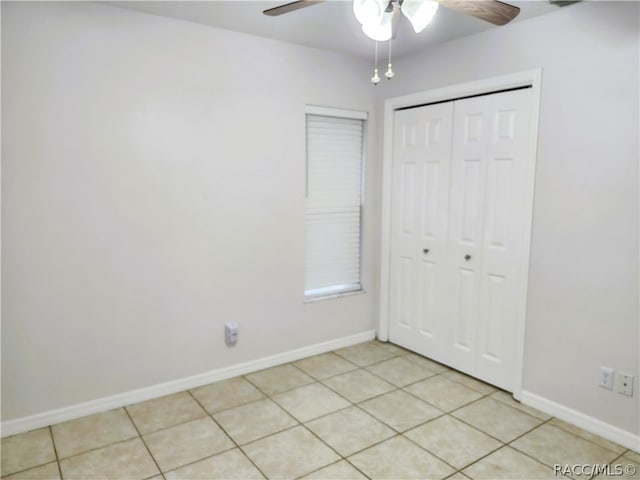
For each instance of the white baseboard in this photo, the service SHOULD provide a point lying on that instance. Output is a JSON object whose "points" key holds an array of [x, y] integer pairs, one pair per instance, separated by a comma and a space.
{"points": [[25, 424], [590, 424]]}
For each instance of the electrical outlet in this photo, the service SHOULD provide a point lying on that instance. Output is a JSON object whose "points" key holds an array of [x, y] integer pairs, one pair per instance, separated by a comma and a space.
{"points": [[606, 378], [231, 333], [624, 384]]}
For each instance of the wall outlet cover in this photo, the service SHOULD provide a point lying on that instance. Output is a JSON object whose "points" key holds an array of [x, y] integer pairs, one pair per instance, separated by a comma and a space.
{"points": [[606, 378], [624, 384], [231, 333]]}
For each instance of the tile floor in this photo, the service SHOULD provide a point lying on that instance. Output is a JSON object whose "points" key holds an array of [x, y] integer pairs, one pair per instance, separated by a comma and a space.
{"points": [[372, 410]]}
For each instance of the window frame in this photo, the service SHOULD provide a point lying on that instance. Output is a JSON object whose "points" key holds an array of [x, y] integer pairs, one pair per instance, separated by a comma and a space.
{"points": [[338, 290]]}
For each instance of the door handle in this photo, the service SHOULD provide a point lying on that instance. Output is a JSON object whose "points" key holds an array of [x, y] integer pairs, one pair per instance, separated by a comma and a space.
{"points": [[467, 257]]}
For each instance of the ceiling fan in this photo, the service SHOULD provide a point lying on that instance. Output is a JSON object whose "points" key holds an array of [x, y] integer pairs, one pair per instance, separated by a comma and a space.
{"points": [[377, 17], [492, 11]]}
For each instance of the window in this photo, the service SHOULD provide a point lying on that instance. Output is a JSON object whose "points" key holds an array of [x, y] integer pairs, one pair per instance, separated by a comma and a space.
{"points": [[333, 205]]}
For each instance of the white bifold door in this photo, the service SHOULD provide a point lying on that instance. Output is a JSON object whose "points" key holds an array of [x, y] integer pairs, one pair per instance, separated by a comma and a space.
{"points": [[457, 231]]}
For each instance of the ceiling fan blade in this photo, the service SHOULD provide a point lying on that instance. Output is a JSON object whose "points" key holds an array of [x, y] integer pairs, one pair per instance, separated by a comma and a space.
{"points": [[290, 7], [492, 11]]}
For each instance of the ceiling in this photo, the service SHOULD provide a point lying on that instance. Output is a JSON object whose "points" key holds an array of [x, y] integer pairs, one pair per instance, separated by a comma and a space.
{"points": [[330, 25]]}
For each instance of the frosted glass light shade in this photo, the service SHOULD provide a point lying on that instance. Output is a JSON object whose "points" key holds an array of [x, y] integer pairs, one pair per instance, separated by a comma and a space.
{"points": [[369, 12], [419, 12], [380, 31]]}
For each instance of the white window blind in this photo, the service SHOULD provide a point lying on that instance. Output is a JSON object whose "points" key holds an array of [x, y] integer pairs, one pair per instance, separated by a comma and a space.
{"points": [[333, 204]]}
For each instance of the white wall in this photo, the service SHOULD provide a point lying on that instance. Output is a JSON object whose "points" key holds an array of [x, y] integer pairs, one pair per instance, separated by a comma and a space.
{"points": [[152, 190], [583, 285]]}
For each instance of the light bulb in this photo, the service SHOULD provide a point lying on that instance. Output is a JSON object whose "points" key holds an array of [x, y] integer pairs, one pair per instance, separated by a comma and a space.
{"points": [[369, 11], [380, 31], [419, 12]]}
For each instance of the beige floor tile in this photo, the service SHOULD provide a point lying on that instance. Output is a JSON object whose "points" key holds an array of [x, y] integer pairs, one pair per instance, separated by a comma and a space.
{"points": [[341, 470], [226, 394], [603, 442], [400, 371], [290, 454], [457, 476], [552, 445], [400, 410], [310, 401], [27, 450], [472, 383], [188, 442], [358, 385], [364, 354], [398, 458], [165, 412], [497, 419], [453, 441], [94, 431], [445, 394], [232, 464], [633, 456], [45, 472], [391, 348], [279, 379], [254, 420], [124, 460], [426, 363], [508, 399], [508, 464], [350, 430], [325, 365]]}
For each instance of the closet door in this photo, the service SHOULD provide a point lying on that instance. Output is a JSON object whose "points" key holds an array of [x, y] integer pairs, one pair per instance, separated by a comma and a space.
{"points": [[457, 231], [422, 156], [486, 219]]}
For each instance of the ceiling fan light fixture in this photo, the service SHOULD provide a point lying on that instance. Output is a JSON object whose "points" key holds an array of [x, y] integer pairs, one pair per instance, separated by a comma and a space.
{"points": [[376, 17], [369, 12], [419, 12], [380, 31]]}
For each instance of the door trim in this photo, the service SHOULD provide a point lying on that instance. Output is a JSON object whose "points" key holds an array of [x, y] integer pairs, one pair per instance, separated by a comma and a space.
{"points": [[520, 79]]}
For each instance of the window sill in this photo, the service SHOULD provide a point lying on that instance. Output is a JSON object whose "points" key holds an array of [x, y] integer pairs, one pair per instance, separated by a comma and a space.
{"points": [[332, 296]]}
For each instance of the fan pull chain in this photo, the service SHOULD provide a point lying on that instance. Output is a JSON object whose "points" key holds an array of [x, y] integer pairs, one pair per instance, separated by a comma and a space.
{"points": [[376, 78], [389, 73]]}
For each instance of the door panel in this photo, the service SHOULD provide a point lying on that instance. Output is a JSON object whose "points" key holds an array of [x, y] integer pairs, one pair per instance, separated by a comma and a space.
{"points": [[466, 311], [499, 178], [421, 152], [428, 282], [495, 288], [471, 191], [466, 215], [495, 256], [408, 198], [406, 292], [431, 190], [507, 154]]}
